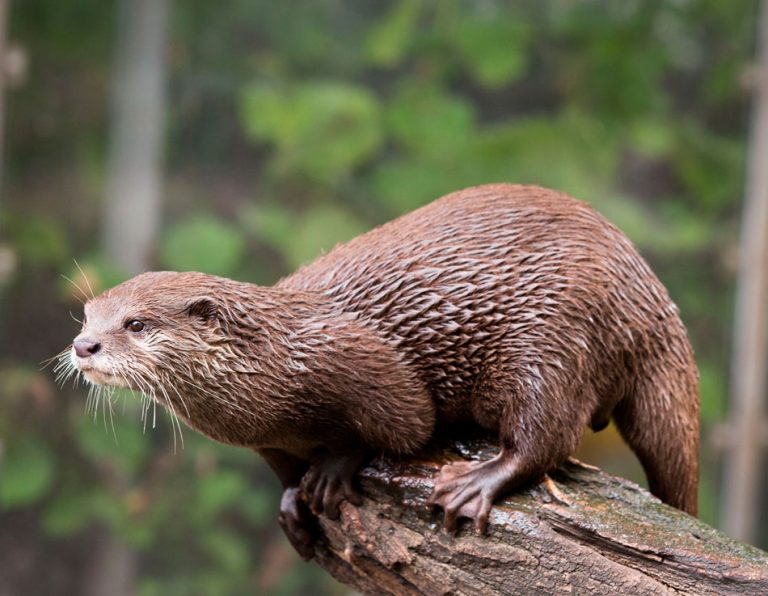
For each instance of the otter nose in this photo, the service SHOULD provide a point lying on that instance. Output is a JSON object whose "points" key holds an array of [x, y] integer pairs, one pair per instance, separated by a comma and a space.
{"points": [[85, 347]]}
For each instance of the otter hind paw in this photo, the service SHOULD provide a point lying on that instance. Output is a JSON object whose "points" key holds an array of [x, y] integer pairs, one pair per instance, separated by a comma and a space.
{"points": [[467, 489], [461, 491]]}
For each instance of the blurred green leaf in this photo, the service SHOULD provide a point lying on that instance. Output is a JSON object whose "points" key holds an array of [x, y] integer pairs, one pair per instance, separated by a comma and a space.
{"points": [[264, 113], [404, 184], [272, 223], [217, 490], [319, 229], [39, 239], [258, 505], [494, 49], [117, 437], [320, 129], [652, 137], [388, 41], [429, 121], [69, 511], [704, 161], [713, 391], [26, 472], [227, 549], [203, 244]]}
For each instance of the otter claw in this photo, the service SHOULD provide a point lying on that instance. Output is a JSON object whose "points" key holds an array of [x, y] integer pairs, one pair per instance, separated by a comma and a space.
{"points": [[329, 482], [554, 492], [297, 523], [467, 489], [461, 492]]}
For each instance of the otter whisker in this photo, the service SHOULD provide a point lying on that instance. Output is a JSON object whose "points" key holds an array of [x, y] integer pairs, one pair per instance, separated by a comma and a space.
{"points": [[146, 391], [64, 368], [85, 277], [144, 409], [130, 377], [90, 402], [181, 399], [148, 394], [102, 399], [56, 357], [134, 381], [174, 417], [82, 300], [99, 404], [141, 370], [110, 393]]}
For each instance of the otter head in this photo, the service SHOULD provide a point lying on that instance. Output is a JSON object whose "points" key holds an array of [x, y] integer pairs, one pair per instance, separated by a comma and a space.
{"points": [[147, 331]]}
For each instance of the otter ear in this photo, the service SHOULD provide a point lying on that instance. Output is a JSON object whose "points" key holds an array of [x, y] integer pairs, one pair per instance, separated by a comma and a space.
{"points": [[203, 308]]}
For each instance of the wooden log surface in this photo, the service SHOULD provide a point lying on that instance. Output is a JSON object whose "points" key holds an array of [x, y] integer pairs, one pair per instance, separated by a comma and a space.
{"points": [[594, 534]]}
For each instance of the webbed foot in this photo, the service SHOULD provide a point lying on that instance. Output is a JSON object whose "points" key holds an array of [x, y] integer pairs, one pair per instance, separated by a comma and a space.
{"points": [[328, 482], [467, 489]]}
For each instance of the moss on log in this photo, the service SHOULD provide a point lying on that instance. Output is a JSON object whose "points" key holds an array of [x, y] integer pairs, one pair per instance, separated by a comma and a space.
{"points": [[603, 535]]}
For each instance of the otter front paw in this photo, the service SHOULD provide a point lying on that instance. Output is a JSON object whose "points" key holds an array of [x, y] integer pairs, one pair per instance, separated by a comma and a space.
{"points": [[328, 482], [297, 523]]}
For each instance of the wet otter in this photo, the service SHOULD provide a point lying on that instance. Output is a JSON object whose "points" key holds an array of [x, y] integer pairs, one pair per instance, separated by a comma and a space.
{"points": [[513, 308]]}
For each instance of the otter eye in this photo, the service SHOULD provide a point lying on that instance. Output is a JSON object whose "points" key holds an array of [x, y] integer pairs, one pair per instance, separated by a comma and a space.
{"points": [[134, 325]]}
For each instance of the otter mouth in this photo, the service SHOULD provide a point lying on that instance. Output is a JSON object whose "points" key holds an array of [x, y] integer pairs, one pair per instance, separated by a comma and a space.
{"points": [[99, 377]]}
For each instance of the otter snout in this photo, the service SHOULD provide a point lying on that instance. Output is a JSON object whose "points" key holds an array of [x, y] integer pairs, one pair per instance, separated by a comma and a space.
{"points": [[85, 347]]}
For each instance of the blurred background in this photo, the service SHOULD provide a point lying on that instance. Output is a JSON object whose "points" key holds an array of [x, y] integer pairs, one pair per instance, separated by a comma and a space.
{"points": [[242, 138]]}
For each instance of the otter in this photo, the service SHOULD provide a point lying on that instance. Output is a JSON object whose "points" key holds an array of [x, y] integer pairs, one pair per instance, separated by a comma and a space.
{"points": [[513, 309]]}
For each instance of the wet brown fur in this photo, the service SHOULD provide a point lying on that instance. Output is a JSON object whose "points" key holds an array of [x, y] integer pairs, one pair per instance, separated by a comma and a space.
{"points": [[515, 308]]}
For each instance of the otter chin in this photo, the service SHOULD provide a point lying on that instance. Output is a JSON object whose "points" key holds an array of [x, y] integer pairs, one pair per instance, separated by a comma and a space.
{"points": [[514, 309], [98, 377]]}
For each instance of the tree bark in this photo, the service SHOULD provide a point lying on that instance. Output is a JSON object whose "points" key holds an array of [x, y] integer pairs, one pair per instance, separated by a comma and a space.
{"points": [[593, 534]]}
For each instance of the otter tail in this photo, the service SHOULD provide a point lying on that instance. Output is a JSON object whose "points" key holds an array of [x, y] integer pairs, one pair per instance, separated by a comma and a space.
{"points": [[660, 421]]}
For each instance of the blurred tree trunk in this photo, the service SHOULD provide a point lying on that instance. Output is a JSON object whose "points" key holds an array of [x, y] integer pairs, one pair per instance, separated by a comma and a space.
{"points": [[132, 209], [3, 46], [747, 428], [133, 204]]}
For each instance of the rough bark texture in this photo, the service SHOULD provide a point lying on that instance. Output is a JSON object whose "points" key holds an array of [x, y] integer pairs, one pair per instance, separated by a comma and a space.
{"points": [[607, 536]]}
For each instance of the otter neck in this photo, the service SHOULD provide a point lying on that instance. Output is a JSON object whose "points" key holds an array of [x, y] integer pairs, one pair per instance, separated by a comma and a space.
{"points": [[246, 388]]}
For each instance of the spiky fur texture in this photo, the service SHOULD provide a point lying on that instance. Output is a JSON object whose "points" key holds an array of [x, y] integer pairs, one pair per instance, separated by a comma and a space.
{"points": [[515, 308]]}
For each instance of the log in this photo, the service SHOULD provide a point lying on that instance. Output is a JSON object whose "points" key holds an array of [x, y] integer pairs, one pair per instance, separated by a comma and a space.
{"points": [[591, 533]]}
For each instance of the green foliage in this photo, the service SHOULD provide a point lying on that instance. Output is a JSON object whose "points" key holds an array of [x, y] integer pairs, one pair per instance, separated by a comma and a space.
{"points": [[217, 491], [494, 50], [112, 438], [27, 472], [319, 129], [389, 39], [428, 121], [322, 227], [38, 239], [70, 511], [203, 244]]}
